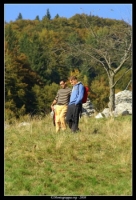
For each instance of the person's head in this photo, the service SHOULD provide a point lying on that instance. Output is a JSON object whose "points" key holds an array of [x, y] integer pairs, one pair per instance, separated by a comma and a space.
{"points": [[73, 80], [63, 83]]}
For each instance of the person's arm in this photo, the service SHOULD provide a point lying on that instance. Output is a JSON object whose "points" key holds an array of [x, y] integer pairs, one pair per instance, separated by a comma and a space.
{"points": [[53, 103]]}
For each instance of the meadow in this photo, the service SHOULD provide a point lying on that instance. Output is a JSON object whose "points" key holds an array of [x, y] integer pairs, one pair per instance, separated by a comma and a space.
{"points": [[94, 162]]}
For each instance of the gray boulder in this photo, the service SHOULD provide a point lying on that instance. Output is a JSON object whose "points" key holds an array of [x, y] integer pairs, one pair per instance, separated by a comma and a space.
{"points": [[123, 105], [88, 108]]}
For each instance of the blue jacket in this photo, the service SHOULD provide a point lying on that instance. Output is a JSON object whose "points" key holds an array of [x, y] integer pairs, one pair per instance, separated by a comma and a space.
{"points": [[77, 94]]}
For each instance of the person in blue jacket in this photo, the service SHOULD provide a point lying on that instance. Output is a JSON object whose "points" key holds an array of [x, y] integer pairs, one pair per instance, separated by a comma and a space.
{"points": [[75, 104]]}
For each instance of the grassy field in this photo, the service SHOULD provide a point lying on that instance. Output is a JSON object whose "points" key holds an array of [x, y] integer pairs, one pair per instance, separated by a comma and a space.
{"points": [[95, 162]]}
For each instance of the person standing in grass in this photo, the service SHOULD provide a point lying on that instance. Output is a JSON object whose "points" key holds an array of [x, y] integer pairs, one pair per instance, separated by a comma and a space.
{"points": [[61, 105], [75, 104]]}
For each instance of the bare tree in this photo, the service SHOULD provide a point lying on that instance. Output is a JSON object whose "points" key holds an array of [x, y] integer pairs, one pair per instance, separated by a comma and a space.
{"points": [[109, 46]]}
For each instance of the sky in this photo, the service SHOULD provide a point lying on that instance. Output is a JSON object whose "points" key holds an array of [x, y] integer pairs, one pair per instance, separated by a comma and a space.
{"points": [[30, 11]]}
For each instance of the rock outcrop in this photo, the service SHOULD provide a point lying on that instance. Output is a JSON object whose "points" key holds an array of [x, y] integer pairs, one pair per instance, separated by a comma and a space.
{"points": [[88, 108], [123, 105]]}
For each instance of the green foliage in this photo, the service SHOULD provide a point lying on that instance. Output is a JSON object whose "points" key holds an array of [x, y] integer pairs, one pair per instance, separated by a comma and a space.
{"points": [[19, 79], [36, 54], [100, 87], [19, 16], [123, 82], [48, 15], [57, 16], [10, 115], [74, 38], [11, 38], [44, 96], [37, 18]]}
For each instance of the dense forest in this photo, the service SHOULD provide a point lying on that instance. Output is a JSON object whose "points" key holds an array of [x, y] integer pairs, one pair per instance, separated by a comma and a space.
{"points": [[39, 53]]}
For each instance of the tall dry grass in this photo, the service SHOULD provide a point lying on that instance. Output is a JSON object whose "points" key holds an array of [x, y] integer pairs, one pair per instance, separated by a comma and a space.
{"points": [[95, 161]]}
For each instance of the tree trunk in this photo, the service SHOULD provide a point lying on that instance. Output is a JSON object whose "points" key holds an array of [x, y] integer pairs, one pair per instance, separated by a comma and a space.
{"points": [[112, 94]]}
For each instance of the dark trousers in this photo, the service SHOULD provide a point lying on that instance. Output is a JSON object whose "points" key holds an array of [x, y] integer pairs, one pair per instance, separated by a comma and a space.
{"points": [[72, 116]]}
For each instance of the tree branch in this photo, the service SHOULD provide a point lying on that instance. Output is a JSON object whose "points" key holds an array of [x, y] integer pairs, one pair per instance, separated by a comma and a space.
{"points": [[123, 59], [121, 76], [128, 84]]}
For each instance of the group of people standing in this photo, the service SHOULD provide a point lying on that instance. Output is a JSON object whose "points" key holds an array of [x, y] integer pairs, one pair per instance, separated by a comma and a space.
{"points": [[67, 105]]}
